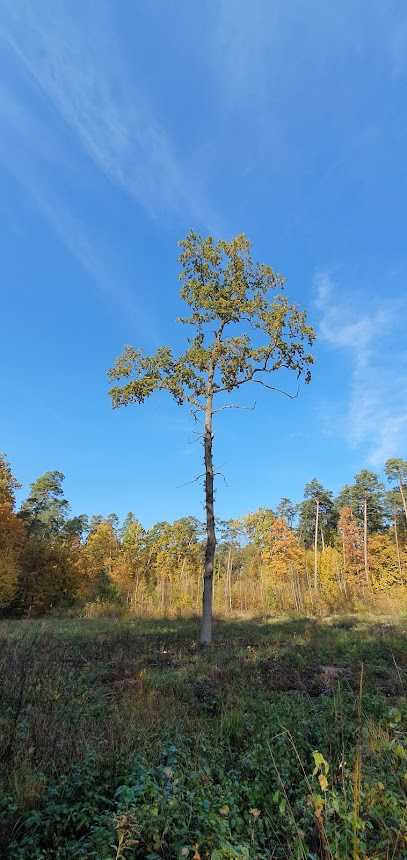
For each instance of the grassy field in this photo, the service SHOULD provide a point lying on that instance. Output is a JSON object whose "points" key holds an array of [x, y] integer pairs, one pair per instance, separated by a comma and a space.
{"points": [[122, 739]]}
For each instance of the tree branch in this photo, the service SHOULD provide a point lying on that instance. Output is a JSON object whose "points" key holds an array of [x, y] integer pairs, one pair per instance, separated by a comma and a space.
{"points": [[234, 406], [279, 390], [250, 378], [187, 483]]}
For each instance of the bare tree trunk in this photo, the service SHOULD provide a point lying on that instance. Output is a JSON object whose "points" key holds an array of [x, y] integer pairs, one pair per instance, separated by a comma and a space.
{"points": [[345, 583], [206, 622], [299, 591], [397, 545], [403, 498], [199, 587], [307, 575], [261, 588], [162, 596], [322, 539], [182, 578], [316, 546], [365, 543], [228, 590], [294, 589], [230, 579], [338, 576]]}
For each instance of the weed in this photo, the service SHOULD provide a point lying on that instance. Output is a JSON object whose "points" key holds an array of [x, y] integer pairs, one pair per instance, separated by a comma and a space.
{"points": [[121, 739]]}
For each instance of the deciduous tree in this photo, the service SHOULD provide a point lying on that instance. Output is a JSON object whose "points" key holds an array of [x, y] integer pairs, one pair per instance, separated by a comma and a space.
{"points": [[12, 535], [244, 332], [352, 543], [8, 483]]}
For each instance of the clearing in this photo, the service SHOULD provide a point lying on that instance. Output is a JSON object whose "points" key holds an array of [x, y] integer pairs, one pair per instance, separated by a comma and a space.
{"points": [[123, 739]]}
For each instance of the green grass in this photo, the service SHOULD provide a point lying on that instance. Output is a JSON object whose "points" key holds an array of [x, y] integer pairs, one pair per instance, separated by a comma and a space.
{"points": [[125, 739]]}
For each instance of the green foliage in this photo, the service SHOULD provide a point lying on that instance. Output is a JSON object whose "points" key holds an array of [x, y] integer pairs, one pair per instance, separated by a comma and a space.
{"points": [[49, 575], [45, 509], [328, 516], [287, 510], [223, 287], [50, 561], [12, 540], [8, 483], [366, 486], [396, 469], [267, 798], [159, 775]]}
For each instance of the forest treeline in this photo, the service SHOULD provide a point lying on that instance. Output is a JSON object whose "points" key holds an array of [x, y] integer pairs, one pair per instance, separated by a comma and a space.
{"points": [[324, 553]]}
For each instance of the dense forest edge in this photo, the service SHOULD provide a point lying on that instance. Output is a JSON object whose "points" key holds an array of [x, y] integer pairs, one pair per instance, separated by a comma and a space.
{"points": [[323, 555]]}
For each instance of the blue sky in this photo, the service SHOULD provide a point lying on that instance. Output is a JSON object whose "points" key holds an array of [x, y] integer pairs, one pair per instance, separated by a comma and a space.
{"points": [[124, 125]]}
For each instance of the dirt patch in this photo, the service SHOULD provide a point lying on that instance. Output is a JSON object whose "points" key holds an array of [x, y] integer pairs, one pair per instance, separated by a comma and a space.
{"points": [[329, 676], [285, 678], [313, 680]]}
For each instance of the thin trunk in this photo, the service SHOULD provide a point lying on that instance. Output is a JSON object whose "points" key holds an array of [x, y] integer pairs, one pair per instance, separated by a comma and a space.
{"points": [[299, 591], [294, 595], [316, 546], [322, 539], [338, 576], [261, 588], [365, 543], [183, 579], [397, 546], [307, 576], [230, 579], [199, 588], [344, 563], [162, 596], [134, 596], [309, 585], [294, 589], [228, 597], [206, 623], [403, 498], [345, 584]]}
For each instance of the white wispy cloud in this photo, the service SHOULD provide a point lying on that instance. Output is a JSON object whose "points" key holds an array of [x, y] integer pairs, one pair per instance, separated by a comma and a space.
{"points": [[77, 62], [376, 409], [71, 94], [29, 152]]}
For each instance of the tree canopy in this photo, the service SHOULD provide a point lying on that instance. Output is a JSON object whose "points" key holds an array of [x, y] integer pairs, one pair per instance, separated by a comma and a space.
{"points": [[225, 291]]}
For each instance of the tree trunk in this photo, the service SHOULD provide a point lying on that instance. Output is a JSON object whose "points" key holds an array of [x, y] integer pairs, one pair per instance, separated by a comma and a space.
{"points": [[316, 546], [338, 576], [307, 576], [365, 543], [322, 539], [229, 576], [206, 623], [403, 499], [397, 545]]}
